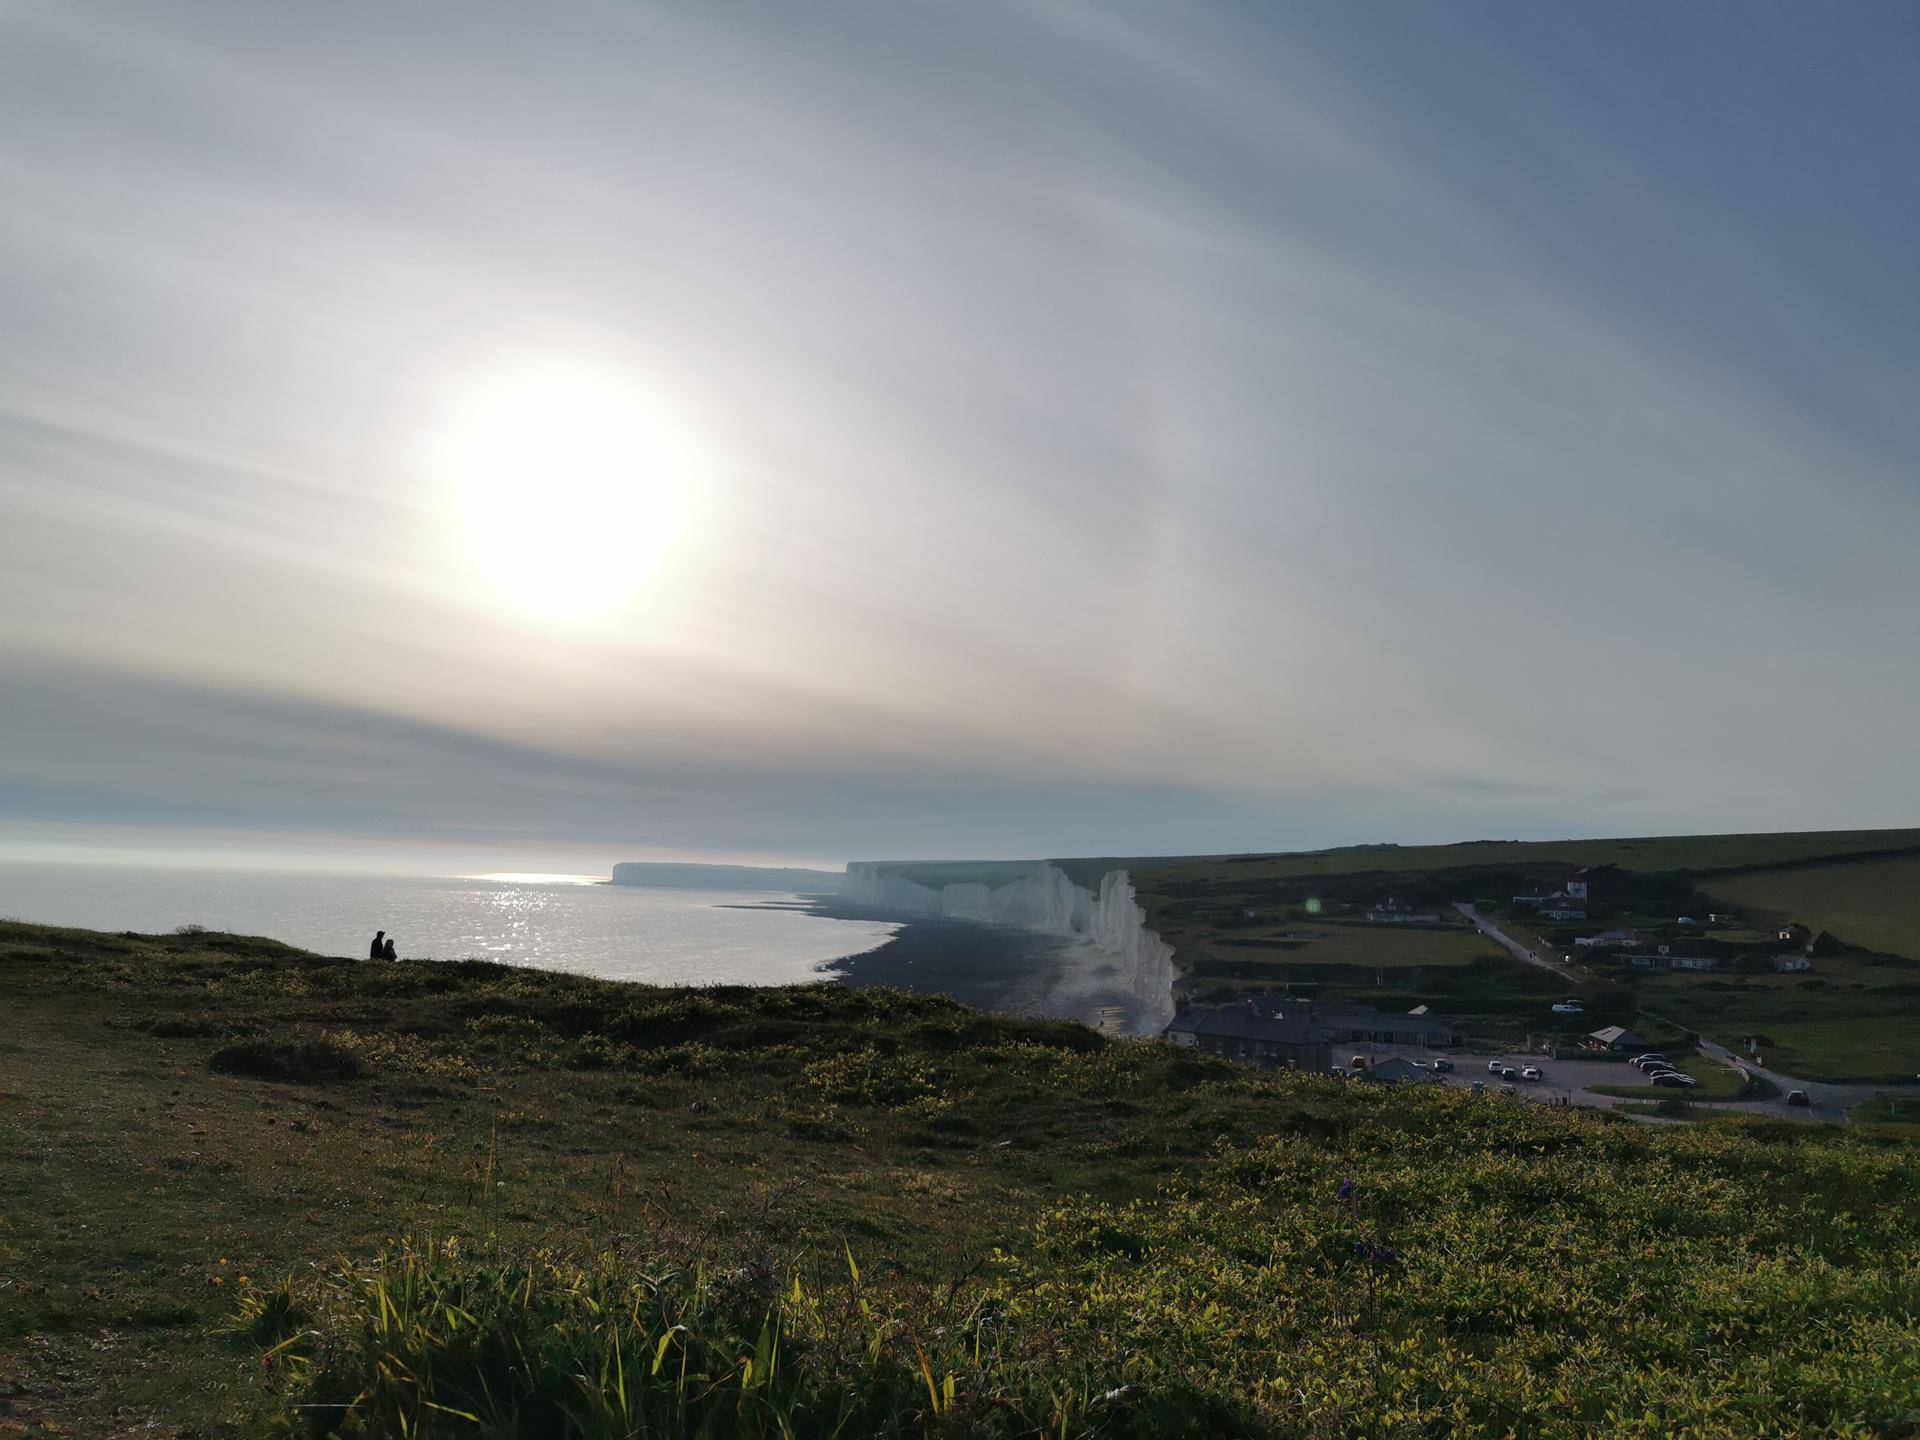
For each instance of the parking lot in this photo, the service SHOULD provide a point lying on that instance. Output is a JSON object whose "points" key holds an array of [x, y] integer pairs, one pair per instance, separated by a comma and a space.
{"points": [[1569, 1082], [1562, 1081]]}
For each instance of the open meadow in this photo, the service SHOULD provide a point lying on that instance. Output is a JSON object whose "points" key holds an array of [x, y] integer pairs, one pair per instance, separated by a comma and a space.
{"points": [[244, 1187], [1871, 903]]}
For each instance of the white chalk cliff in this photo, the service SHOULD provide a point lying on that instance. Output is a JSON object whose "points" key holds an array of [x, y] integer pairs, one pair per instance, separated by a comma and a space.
{"points": [[1047, 901]]}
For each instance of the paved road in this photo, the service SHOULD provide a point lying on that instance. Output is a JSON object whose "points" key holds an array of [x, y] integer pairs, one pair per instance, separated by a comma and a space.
{"points": [[1828, 1102], [1519, 952], [1570, 1081]]}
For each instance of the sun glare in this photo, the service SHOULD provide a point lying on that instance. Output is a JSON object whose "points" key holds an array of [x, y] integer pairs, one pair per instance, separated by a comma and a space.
{"points": [[569, 488]]}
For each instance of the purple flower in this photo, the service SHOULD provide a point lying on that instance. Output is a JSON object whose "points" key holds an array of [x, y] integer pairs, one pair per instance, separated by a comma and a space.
{"points": [[1346, 1188], [1360, 1248]]}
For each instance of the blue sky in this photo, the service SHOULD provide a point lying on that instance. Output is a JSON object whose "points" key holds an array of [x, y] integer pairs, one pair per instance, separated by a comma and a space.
{"points": [[1092, 429]]}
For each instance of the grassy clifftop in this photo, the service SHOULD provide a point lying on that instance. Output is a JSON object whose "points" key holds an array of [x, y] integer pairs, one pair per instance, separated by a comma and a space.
{"points": [[244, 1188]]}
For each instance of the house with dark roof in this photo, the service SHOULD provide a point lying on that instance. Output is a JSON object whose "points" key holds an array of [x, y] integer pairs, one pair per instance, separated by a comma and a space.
{"points": [[1241, 1032], [1398, 1071], [1346, 1024], [1616, 1037]]}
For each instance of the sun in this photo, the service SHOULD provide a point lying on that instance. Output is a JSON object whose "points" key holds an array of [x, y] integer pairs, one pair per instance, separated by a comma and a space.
{"points": [[568, 484]]}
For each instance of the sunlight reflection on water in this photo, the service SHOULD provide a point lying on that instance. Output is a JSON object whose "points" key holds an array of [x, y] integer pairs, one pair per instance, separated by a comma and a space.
{"points": [[675, 937]]}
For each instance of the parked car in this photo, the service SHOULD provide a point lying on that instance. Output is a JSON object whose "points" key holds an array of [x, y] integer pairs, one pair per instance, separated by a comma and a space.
{"points": [[1650, 1062], [1494, 1067], [1673, 1079], [1479, 1087], [1569, 1007], [1440, 1066], [1798, 1097], [1339, 1072], [1654, 1072], [1357, 1062], [1650, 1055], [1532, 1072], [1509, 1073]]}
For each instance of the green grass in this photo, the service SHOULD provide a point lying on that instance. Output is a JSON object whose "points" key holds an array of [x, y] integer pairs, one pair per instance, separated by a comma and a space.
{"points": [[1874, 904], [1846, 1020], [1699, 853], [535, 1204], [1366, 947]]}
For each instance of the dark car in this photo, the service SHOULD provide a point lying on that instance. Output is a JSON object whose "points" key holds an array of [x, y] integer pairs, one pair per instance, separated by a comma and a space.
{"points": [[1673, 1078], [1798, 1097], [1440, 1067]]}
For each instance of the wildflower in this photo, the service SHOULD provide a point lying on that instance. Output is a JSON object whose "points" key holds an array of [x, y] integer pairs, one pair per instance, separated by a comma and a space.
{"points": [[1346, 1188], [1360, 1248]]}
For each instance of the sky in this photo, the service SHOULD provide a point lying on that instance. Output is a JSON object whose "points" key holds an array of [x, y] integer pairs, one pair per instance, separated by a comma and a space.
{"points": [[459, 435]]}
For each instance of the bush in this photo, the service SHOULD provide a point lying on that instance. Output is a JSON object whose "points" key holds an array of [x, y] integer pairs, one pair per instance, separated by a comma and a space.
{"points": [[305, 1062]]}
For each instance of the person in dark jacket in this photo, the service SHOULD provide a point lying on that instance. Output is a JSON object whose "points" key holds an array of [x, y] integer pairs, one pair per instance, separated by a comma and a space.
{"points": [[388, 953], [379, 951]]}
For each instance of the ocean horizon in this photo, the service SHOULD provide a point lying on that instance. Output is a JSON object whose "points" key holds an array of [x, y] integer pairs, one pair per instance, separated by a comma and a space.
{"points": [[573, 923]]}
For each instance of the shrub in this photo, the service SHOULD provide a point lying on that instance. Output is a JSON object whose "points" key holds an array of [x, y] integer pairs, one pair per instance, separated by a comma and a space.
{"points": [[306, 1062]]}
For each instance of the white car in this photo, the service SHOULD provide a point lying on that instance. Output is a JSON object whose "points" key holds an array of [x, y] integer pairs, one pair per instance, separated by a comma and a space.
{"points": [[1569, 1007], [1532, 1072]]}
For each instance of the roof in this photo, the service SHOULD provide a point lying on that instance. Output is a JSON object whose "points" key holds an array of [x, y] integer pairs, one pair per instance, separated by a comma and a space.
{"points": [[1239, 1023], [1408, 1024], [1614, 1034]]}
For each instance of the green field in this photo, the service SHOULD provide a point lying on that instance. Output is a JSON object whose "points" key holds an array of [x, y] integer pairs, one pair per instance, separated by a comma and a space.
{"points": [[1871, 903], [1366, 947], [1697, 853], [246, 1191], [1847, 1020]]}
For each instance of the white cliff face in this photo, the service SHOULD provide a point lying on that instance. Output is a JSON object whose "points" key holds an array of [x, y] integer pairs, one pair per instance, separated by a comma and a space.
{"points": [[1119, 926], [1049, 902]]}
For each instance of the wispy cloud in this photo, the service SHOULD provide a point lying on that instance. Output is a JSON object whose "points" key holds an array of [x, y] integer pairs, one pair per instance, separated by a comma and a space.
{"points": [[1133, 428]]}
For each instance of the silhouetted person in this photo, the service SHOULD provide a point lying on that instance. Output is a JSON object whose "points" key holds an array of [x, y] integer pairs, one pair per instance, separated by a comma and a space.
{"points": [[379, 951], [388, 952]]}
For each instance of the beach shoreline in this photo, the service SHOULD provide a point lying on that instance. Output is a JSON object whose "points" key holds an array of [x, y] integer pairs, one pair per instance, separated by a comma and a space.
{"points": [[1004, 969]]}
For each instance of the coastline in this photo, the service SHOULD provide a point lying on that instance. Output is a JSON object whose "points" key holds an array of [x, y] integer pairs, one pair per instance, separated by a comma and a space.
{"points": [[1004, 969]]}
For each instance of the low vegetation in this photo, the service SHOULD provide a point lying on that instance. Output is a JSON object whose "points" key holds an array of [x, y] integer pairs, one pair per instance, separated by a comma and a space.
{"points": [[540, 1205]]}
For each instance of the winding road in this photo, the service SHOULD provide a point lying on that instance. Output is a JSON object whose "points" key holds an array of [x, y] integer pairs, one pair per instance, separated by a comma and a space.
{"points": [[1828, 1102]]}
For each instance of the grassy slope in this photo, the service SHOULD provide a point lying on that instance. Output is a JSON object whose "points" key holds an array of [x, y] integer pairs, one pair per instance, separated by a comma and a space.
{"points": [[1162, 1222], [1873, 903], [1699, 853]]}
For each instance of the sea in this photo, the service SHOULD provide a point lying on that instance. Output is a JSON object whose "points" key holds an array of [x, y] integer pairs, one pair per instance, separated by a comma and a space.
{"points": [[558, 922]]}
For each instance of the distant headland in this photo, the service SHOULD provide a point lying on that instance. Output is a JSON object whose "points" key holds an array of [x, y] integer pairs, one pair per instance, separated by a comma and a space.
{"points": [[675, 876]]}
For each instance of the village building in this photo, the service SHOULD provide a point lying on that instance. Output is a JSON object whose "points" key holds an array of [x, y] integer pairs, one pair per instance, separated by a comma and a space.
{"points": [[1664, 959], [1398, 1070], [1398, 912], [1240, 1032], [1615, 1037], [1348, 1024], [1620, 936]]}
